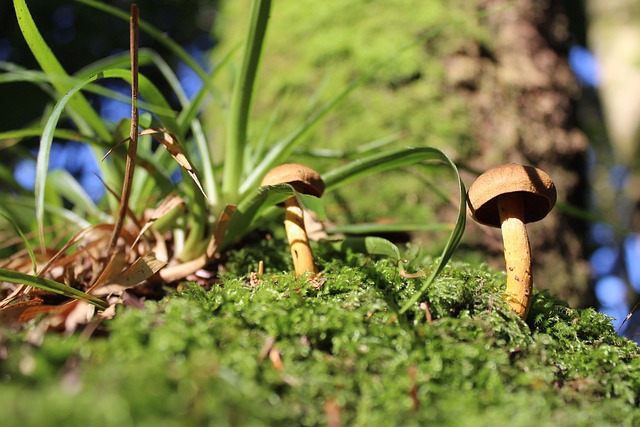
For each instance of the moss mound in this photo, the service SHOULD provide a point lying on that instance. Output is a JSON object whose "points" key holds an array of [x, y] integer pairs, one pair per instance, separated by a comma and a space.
{"points": [[297, 352]]}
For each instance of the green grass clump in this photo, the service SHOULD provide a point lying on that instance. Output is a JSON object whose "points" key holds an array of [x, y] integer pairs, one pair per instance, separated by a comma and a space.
{"points": [[288, 353]]}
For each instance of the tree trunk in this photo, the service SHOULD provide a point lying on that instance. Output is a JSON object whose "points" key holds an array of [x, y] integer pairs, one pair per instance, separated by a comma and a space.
{"points": [[522, 103]]}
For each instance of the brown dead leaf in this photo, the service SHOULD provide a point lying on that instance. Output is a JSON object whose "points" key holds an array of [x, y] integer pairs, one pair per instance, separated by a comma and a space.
{"points": [[10, 314], [316, 280], [59, 311], [142, 269], [166, 205], [172, 145], [114, 267], [94, 234]]}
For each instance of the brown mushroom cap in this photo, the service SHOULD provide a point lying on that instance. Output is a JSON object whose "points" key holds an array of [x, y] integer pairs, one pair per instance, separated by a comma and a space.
{"points": [[303, 179], [537, 188]]}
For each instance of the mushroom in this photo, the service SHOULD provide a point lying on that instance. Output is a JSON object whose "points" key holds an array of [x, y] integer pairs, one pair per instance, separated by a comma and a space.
{"points": [[306, 181], [509, 196]]}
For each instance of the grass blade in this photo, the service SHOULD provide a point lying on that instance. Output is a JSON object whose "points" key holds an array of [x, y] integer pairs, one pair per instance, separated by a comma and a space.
{"points": [[241, 100], [160, 36], [64, 184], [17, 134], [388, 160], [49, 285], [42, 164], [27, 245], [376, 228], [281, 151], [54, 70]]}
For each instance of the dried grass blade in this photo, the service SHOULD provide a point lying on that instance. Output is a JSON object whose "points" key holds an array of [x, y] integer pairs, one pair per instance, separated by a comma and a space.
{"points": [[49, 285], [133, 134], [75, 239], [171, 143], [166, 205], [142, 269]]}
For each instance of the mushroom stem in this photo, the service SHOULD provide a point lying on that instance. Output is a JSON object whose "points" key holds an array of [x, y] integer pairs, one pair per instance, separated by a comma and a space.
{"points": [[297, 236], [517, 252]]}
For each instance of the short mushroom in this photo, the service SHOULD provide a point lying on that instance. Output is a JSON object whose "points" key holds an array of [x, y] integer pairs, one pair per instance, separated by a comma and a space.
{"points": [[306, 181], [508, 197]]}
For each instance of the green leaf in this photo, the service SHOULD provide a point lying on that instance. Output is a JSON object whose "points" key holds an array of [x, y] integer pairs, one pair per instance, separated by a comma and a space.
{"points": [[387, 160], [369, 245], [150, 91], [56, 73], [42, 163], [27, 245], [313, 204], [253, 208], [49, 285], [37, 131], [160, 36], [70, 189], [117, 60], [283, 149]]}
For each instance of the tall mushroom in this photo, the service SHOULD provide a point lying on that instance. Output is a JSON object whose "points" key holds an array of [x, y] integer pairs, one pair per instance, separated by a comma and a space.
{"points": [[508, 197], [306, 181]]}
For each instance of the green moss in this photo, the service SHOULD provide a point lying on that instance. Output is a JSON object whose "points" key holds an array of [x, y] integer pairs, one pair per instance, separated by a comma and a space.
{"points": [[276, 354]]}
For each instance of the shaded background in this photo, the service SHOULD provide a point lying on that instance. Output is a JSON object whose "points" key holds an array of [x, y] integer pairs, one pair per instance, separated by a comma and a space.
{"points": [[80, 35]]}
